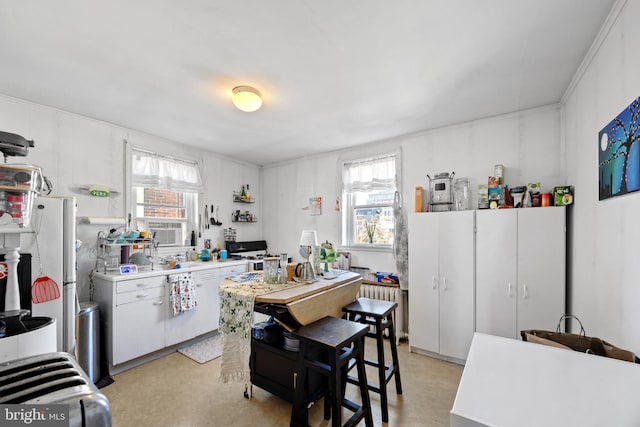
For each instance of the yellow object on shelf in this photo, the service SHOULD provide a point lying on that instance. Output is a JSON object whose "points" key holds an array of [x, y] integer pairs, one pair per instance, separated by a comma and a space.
{"points": [[418, 199], [98, 191]]}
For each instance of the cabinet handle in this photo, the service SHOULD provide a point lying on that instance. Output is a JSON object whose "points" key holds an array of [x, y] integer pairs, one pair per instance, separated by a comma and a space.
{"points": [[199, 285], [141, 285], [434, 282], [525, 294], [142, 295], [158, 303], [509, 290], [444, 284]]}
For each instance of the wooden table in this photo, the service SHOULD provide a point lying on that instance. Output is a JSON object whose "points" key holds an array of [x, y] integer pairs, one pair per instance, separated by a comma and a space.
{"points": [[292, 305], [274, 369], [307, 303]]}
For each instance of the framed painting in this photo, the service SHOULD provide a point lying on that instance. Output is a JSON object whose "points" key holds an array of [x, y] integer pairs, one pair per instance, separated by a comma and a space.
{"points": [[619, 154]]}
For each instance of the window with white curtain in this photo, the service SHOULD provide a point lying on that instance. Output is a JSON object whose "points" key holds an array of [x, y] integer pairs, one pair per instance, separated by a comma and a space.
{"points": [[165, 194], [368, 188]]}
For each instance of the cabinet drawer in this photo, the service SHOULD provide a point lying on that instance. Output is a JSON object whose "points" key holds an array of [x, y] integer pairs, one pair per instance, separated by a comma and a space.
{"points": [[205, 277], [139, 295], [139, 284], [233, 269]]}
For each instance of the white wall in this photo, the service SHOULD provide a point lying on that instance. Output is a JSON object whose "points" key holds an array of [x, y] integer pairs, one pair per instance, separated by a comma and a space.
{"points": [[605, 272], [77, 151], [528, 143]]}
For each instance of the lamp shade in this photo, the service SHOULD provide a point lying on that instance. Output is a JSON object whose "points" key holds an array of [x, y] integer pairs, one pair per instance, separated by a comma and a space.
{"points": [[246, 98], [308, 238]]}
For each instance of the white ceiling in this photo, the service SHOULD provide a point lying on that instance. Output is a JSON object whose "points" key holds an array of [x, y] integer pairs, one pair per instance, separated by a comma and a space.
{"points": [[332, 73]]}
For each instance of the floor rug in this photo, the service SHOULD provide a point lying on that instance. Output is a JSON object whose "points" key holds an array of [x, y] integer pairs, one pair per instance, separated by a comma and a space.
{"points": [[204, 351]]}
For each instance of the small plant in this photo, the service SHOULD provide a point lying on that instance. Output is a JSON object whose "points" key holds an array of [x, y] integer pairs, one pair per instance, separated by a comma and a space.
{"points": [[371, 227]]}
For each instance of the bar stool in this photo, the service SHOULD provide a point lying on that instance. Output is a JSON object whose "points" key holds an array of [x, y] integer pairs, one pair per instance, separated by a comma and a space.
{"points": [[378, 314], [327, 346]]}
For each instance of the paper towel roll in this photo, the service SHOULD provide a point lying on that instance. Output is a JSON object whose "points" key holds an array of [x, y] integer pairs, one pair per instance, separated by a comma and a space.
{"points": [[103, 220]]}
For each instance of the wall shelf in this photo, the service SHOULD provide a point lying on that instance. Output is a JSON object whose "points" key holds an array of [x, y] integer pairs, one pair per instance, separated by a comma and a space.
{"points": [[237, 199]]}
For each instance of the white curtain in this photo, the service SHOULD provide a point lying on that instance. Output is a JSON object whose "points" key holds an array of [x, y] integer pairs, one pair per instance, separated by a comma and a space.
{"points": [[371, 174], [157, 171]]}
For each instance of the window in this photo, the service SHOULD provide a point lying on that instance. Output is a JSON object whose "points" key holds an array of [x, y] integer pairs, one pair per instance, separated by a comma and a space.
{"points": [[165, 195], [369, 187]]}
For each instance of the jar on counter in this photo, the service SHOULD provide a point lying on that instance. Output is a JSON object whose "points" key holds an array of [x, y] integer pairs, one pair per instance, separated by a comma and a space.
{"points": [[462, 194]]}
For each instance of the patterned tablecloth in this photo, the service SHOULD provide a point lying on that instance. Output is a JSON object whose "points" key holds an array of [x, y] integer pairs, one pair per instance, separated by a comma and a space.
{"points": [[237, 297]]}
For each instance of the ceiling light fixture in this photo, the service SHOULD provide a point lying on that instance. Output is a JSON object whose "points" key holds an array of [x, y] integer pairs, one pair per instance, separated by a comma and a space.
{"points": [[246, 98]]}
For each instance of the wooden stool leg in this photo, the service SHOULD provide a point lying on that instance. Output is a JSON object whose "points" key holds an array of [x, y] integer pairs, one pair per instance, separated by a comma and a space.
{"points": [[364, 388], [327, 405], [394, 354], [382, 370], [335, 391]]}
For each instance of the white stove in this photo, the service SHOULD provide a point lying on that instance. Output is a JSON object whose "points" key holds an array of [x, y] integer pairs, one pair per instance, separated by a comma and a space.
{"points": [[252, 251]]}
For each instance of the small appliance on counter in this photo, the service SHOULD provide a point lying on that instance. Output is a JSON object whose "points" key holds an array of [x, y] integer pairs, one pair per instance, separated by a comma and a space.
{"points": [[440, 195]]}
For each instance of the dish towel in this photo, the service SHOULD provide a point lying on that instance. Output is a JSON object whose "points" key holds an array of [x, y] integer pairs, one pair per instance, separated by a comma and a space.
{"points": [[182, 293], [400, 243], [236, 318]]}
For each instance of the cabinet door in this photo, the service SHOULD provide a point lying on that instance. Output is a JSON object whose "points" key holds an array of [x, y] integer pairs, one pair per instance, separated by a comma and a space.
{"points": [[457, 272], [541, 267], [423, 281], [207, 315], [138, 328], [496, 267]]}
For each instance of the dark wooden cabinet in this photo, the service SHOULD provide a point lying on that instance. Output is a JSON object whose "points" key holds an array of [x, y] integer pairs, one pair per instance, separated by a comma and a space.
{"points": [[274, 369]]}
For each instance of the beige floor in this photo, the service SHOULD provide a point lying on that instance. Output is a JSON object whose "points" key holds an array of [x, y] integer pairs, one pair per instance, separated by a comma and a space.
{"points": [[176, 391]]}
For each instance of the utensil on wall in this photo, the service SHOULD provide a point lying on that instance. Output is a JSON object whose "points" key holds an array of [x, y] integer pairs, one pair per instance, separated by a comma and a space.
{"points": [[218, 215], [44, 288]]}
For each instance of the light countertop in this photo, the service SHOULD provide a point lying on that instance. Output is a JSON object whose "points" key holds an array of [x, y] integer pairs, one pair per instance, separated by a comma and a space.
{"points": [[186, 266]]}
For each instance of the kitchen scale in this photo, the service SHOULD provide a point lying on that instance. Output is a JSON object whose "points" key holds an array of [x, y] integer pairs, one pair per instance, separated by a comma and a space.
{"points": [[128, 269]]}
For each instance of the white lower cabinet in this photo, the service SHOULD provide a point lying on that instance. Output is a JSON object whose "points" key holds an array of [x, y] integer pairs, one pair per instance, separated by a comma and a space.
{"points": [[441, 280], [520, 270], [139, 329], [201, 320], [137, 316]]}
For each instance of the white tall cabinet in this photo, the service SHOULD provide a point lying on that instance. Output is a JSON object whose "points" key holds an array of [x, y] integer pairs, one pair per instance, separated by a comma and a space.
{"points": [[441, 283], [520, 270]]}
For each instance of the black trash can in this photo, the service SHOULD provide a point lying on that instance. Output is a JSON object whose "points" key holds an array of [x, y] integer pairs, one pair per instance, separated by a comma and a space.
{"points": [[88, 339]]}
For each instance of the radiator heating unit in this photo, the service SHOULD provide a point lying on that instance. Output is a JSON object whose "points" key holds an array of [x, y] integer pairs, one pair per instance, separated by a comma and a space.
{"points": [[388, 293]]}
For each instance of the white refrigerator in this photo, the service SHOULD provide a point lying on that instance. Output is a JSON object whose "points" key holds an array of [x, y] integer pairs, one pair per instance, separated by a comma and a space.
{"points": [[52, 246]]}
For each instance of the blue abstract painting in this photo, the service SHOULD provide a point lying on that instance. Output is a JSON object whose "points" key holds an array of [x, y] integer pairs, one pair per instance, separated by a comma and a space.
{"points": [[619, 153]]}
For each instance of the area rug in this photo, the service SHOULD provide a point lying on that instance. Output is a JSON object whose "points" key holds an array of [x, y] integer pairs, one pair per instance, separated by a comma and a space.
{"points": [[204, 351]]}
